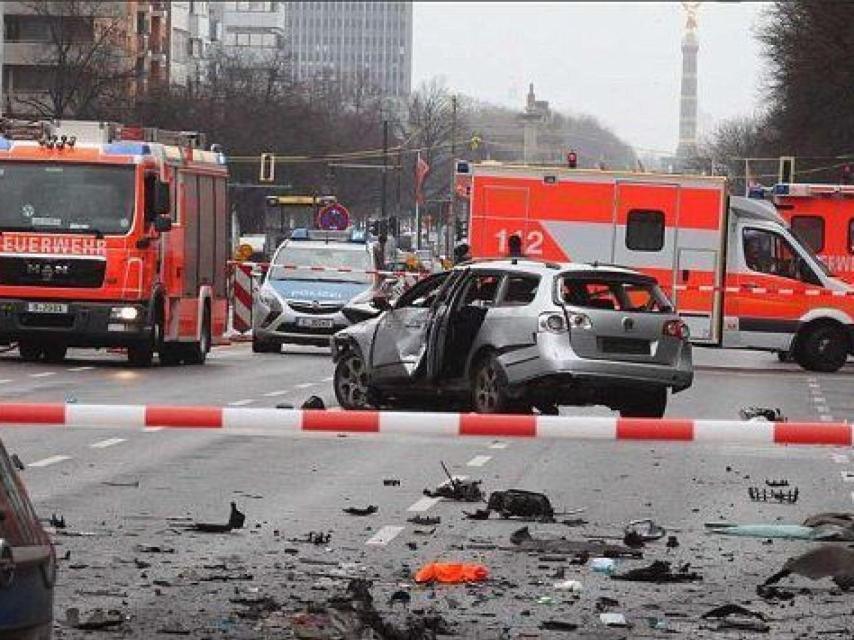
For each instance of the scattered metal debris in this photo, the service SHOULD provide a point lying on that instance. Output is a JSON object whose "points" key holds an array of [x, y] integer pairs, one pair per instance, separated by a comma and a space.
{"points": [[131, 483], [153, 548], [518, 503], [358, 511], [425, 521], [313, 402], [659, 572], [782, 497], [314, 537], [456, 489], [523, 541], [763, 414], [825, 562], [736, 617], [96, 620], [391, 482], [782, 482], [236, 520], [57, 522], [16, 461], [558, 625]]}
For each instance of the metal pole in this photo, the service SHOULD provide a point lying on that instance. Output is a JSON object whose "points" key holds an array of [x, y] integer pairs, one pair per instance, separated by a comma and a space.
{"points": [[397, 199], [417, 209], [385, 179], [451, 215]]}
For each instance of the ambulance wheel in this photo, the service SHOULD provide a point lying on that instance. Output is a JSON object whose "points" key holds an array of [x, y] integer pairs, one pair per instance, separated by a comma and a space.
{"points": [[197, 352], [30, 351], [169, 355], [646, 403], [55, 353], [823, 347], [140, 355]]}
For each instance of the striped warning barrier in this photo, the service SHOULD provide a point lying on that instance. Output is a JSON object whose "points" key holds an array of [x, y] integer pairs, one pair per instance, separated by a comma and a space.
{"points": [[290, 421], [242, 290]]}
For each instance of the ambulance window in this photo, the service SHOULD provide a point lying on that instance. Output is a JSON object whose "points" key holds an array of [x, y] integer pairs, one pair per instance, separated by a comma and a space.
{"points": [[645, 230], [810, 231], [770, 253]]}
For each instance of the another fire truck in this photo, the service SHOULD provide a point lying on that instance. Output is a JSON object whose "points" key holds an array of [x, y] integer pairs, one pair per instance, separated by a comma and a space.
{"points": [[111, 236], [738, 276], [822, 216]]}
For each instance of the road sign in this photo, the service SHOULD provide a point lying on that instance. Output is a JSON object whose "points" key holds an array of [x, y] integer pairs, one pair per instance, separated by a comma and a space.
{"points": [[333, 217], [243, 252]]}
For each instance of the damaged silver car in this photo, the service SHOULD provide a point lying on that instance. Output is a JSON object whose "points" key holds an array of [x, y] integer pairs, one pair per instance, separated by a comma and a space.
{"points": [[508, 336]]}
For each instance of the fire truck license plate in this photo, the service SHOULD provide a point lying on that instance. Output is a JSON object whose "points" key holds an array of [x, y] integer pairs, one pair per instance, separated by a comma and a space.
{"points": [[47, 307], [315, 323]]}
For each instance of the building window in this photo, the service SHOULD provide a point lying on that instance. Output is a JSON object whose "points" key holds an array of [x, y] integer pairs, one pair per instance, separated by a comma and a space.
{"points": [[809, 230], [645, 230]]}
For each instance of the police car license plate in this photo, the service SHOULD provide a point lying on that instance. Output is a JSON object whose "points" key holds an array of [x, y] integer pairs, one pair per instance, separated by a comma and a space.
{"points": [[315, 323], [47, 307]]}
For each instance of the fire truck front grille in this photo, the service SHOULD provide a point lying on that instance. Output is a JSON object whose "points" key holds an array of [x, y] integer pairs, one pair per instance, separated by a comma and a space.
{"points": [[47, 320], [52, 272]]}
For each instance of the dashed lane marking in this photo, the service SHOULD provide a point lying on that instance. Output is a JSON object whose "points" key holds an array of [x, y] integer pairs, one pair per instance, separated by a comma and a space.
{"points": [[241, 403], [109, 442], [839, 458], [273, 394], [423, 504], [385, 535], [152, 429], [478, 461], [43, 374], [329, 379], [305, 385], [76, 369], [46, 462], [826, 418], [498, 445], [5, 381]]}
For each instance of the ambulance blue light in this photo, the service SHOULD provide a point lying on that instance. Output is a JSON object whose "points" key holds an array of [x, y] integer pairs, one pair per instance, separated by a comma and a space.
{"points": [[781, 189], [757, 193], [127, 149], [299, 234], [5, 145], [359, 235]]}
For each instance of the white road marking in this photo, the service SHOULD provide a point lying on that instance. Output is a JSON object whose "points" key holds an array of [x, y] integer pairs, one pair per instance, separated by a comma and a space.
{"points": [[839, 458], [273, 394], [152, 429], [478, 461], [43, 374], [4, 381], [329, 379], [423, 504], [75, 369], [826, 418], [109, 442], [241, 403], [848, 476], [852, 496], [498, 445], [45, 462], [385, 535], [822, 408], [305, 385]]}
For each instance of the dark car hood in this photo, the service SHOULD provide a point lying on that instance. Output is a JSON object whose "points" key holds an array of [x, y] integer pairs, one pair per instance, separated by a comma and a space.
{"points": [[322, 291]]}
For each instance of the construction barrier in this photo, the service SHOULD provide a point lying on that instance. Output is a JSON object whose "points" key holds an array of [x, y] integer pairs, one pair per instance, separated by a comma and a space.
{"points": [[291, 421]]}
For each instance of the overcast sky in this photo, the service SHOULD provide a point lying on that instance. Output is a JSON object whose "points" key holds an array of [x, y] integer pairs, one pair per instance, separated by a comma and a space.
{"points": [[620, 62]]}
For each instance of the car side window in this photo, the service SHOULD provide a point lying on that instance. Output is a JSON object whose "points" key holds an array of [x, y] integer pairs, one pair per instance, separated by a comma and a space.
{"points": [[422, 294], [770, 253], [519, 291], [481, 290]]}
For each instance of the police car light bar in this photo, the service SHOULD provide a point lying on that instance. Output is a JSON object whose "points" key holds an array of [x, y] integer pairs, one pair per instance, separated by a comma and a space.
{"points": [[807, 190]]}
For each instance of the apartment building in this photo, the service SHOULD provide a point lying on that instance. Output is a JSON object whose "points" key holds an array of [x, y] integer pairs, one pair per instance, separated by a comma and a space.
{"points": [[250, 29], [355, 42], [190, 38]]}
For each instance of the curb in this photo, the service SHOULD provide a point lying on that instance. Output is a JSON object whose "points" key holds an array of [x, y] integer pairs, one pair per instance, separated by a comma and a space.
{"points": [[290, 421]]}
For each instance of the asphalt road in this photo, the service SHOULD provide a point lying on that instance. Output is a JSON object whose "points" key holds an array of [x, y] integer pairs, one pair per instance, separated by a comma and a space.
{"points": [[120, 488]]}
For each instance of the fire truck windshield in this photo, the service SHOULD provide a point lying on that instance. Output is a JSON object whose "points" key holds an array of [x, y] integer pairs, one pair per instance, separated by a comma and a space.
{"points": [[66, 198]]}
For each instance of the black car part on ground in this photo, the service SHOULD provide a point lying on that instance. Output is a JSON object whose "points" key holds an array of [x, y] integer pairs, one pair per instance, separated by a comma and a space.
{"points": [[827, 561], [518, 503], [236, 520], [659, 572], [524, 541]]}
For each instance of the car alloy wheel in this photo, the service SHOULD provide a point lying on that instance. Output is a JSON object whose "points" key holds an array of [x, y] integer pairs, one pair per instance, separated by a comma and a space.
{"points": [[351, 382]]}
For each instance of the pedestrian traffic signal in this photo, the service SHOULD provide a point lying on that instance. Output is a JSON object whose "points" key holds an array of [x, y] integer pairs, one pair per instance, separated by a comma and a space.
{"points": [[572, 160]]}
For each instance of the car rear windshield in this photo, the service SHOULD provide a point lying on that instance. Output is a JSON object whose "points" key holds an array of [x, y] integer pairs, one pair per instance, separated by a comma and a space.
{"points": [[338, 260], [635, 295]]}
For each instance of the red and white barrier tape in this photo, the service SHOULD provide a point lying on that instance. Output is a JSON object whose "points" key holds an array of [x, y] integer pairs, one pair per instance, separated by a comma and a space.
{"points": [[289, 421], [783, 291]]}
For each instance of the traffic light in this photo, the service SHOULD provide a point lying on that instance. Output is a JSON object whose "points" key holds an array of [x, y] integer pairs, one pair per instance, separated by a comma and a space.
{"points": [[461, 227], [846, 174], [268, 168], [572, 160], [787, 170]]}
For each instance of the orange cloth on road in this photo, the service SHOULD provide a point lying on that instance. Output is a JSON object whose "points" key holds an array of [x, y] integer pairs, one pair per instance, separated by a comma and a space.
{"points": [[451, 573]]}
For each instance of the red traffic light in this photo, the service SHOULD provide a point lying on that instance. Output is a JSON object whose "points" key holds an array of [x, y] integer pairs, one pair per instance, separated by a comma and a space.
{"points": [[571, 160]]}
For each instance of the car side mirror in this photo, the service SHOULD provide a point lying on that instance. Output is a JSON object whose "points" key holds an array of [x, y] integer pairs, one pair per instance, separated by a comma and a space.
{"points": [[162, 224], [162, 198], [381, 303]]}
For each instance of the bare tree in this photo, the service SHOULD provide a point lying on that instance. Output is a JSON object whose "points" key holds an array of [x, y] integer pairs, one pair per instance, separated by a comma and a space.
{"points": [[87, 63]]}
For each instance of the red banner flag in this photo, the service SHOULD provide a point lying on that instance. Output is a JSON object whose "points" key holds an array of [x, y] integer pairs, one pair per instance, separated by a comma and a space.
{"points": [[421, 171]]}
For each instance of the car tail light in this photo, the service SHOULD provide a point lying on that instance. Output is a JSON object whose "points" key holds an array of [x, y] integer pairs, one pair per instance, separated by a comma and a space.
{"points": [[579, 321], [676, 329], [553, 322]]}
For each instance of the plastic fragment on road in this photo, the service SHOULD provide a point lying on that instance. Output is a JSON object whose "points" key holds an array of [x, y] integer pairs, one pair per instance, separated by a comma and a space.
{"points": [[451, 573], [645, 529], [569, 585], [603, 565], [659, 572], [737, 618], [613, 619], [236, 520], [820, 532], [558, 625], [827, 561], [96, 620]]}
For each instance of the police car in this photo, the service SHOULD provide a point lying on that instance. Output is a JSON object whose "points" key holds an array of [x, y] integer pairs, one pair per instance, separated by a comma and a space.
{"points": [[312, 276]]}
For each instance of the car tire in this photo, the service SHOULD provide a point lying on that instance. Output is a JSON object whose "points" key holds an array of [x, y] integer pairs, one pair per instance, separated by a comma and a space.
{"points": [[265, 346], [30, 351], [647, 403], [54, 353], [197, 352], [350, 382], [489, 388], [823, 348]]}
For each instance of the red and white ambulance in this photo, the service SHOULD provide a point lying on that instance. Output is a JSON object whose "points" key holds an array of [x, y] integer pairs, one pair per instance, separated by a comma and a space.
{"points": [[737, 274], [822, 216]]}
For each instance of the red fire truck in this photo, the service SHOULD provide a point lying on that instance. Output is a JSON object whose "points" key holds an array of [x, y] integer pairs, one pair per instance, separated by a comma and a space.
{"points": [[111, 236], [738, 275]]}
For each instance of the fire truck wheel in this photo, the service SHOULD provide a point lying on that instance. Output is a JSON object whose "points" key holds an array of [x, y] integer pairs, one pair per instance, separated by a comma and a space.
{"points": [[140, 355], [55, 353], [650, 403], [197, 352], [170, 355], [823, 347], [30, 352]]}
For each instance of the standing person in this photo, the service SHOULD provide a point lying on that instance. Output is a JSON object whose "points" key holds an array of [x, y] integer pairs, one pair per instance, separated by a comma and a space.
{"points": [[379, 251], [514, 246], [462, 253]]}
